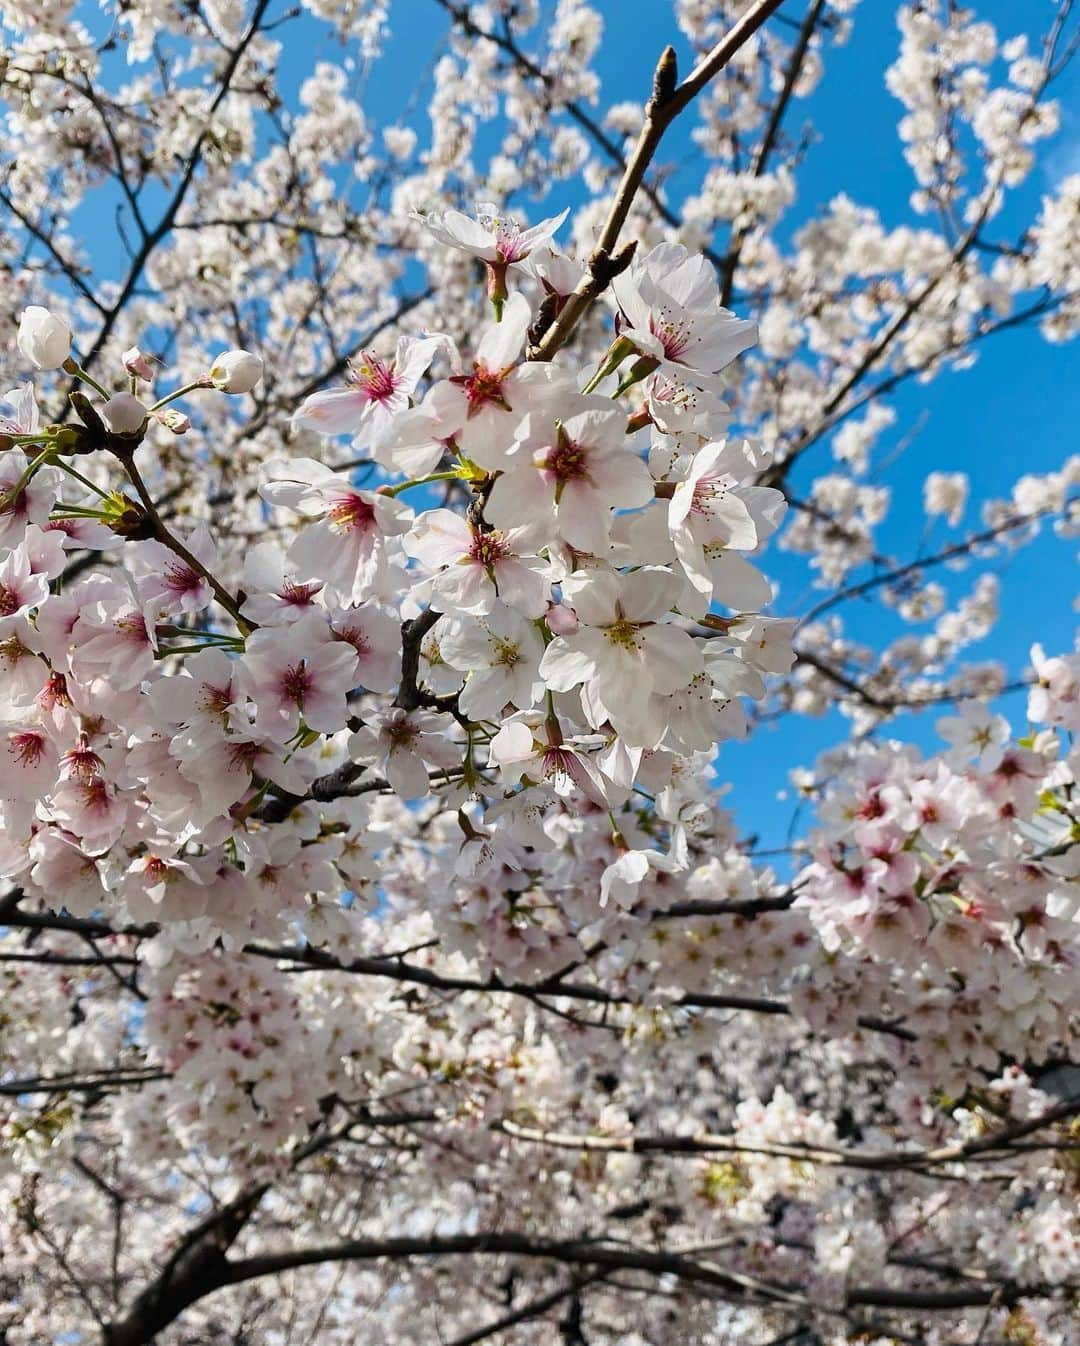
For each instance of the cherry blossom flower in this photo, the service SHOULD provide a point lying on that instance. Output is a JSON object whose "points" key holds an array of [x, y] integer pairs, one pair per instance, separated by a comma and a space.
{"points": [[670, 300], [475, 566], [974, 731], [298, 673], [209, 696], [375, 637], [21, 589], [491, 237], [273, 595], [488, 403], [496, 240], [345, 546], [224, 768], [29, 763], [501, 653], [580, 469], [378, 392], [710, 513], [623, 651], [170, 584], [527, 747], [404, 744], [92, 810], [111, 637]]}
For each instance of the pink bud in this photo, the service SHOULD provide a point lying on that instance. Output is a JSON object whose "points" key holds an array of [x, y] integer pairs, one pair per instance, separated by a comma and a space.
{"points": [[561, 620], [137, 364], [173, 420]]}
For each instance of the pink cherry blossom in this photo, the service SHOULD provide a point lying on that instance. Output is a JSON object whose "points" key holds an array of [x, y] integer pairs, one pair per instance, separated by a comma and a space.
{"points": [[298, 673], [345, 545], [378, 392], [474, 566]]}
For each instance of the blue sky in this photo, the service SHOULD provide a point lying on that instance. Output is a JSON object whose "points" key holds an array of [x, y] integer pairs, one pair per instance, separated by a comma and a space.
{"points": [[1014, 412]]}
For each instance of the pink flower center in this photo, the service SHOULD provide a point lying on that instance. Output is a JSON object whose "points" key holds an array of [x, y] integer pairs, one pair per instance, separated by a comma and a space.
{"points": [[483, 387], [351, 513], [488, 548], [374, 378], [242, 756], [133, 628], [95, 796], [9, 601], [708, 490], [509, 244], [214, 700], [674, 334], [181, 579], [354, 636], [567, 460], [295, 683], [298, 595], [82, 761], [402, 735]]}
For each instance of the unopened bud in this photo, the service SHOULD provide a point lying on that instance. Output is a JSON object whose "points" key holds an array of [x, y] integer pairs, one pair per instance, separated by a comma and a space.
{"points": [[44, 339], [561, 620], [124, 414], [173, 420], [236, 372], [137, 365]]}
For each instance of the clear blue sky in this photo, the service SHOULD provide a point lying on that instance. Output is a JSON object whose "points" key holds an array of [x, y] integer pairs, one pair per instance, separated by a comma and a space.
{"points": [[1015, 411]]}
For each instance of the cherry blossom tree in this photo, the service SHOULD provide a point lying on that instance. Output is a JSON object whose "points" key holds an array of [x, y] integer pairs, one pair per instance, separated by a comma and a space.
{"points": [[387, 515]]}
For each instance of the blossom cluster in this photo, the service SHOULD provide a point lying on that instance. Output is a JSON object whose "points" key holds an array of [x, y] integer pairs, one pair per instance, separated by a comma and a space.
{"points": [[378, 577], [571, 645]]}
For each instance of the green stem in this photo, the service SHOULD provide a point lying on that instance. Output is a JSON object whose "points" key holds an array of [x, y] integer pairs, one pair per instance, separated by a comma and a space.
{"points": [[65, 511], [28, 472], [27, 438], [177, 392], [70, 367], [423, 481], [72, 472]]}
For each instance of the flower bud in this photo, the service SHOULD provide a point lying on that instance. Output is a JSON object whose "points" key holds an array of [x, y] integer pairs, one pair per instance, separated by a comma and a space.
{"points": [[561, 619], [123, 414], [136, 364], [236, 372], [44, 339], [173, 420]]}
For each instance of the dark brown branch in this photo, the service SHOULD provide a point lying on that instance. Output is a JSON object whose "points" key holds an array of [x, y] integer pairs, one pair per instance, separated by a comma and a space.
{"points": [[214, 1271], [665, 105], [995, 1145], [769, 136]]}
